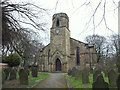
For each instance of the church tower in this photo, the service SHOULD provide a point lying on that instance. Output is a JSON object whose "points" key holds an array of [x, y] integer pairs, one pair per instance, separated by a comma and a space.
{"points": [[60, 40]]}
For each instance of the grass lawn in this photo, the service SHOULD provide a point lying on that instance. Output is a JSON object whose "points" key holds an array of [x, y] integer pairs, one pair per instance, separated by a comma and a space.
{"points": [[78, 83], [32, 81]]}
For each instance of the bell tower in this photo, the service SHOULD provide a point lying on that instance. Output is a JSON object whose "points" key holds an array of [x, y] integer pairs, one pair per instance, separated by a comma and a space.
{"points": [[60, 20], [60, 35]]}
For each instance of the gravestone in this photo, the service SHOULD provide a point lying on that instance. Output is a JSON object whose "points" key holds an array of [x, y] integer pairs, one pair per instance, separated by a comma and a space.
{"points": [[119, 69], [118, 66], [100, 83], [118, 82], [7, 71], [91, 70], [112, 76], [105, 72], [69, 72], [27, 71], [12, 74], [3, 77], [19, 71], [85, 75], [96, 72], [23, 77], [78, 75], [73, 71], [34, 71]]}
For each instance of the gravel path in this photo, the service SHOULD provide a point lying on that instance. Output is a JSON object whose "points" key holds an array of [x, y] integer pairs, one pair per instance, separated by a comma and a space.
{"points": [[55, 80]]}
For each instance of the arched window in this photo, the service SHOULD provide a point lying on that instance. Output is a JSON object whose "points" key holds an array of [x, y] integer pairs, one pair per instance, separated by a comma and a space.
{"points": [[77, 56], [57, 22]]}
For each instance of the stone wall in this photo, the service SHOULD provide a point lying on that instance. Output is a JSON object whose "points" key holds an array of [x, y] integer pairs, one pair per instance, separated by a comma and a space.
{"points": [[85, 57]]}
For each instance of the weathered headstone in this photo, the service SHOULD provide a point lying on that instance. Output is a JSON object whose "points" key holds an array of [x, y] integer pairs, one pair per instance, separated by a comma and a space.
{"points": [[73, 71], [23, 77], [69, 72], [3, 77], [118, 66], [7, 71], [34, 71], [78, 75], [100, 83], [119, 69], [91, 71], [112, 76], [105, 72], [96, 72], [85, 75], [118, 82], [27, 71], [12, 74]]}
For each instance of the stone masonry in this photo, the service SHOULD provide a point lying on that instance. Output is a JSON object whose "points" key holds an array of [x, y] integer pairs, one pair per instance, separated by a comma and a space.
{"points": [[61, 53]]}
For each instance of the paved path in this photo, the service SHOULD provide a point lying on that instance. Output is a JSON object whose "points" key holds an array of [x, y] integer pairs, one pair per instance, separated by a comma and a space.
{"points": [[55, 80]]}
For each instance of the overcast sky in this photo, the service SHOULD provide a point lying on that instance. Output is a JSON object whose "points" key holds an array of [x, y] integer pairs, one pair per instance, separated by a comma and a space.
{"points": [[78, 16]]}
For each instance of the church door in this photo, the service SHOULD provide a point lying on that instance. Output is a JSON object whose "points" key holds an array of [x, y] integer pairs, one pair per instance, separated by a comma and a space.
{"points": [[58, 65]]}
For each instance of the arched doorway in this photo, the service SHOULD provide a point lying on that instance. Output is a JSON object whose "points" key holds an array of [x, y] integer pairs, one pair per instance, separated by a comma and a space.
{"points": [[58, 65]]}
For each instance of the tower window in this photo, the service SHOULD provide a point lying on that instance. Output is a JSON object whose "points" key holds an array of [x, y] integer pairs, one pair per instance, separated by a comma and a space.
{"points": [[77, 56], [57, 22]]}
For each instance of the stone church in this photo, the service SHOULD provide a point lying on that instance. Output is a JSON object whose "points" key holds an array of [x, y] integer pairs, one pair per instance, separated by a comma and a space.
{"points": [[63, 52]]}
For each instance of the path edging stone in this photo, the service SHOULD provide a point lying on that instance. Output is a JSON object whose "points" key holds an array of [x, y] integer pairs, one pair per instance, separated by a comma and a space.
{"points": [[39, 82]]}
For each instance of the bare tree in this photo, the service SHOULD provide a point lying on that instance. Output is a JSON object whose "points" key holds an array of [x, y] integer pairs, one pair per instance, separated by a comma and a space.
{"points": [[100, 6], [115, 43], [13, 30], [99, 42], [31, 53], [16, 37]]}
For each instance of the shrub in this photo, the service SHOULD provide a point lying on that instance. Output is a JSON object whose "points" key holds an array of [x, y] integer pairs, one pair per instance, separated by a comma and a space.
{"points": [[4, 59], [14, 59]]}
